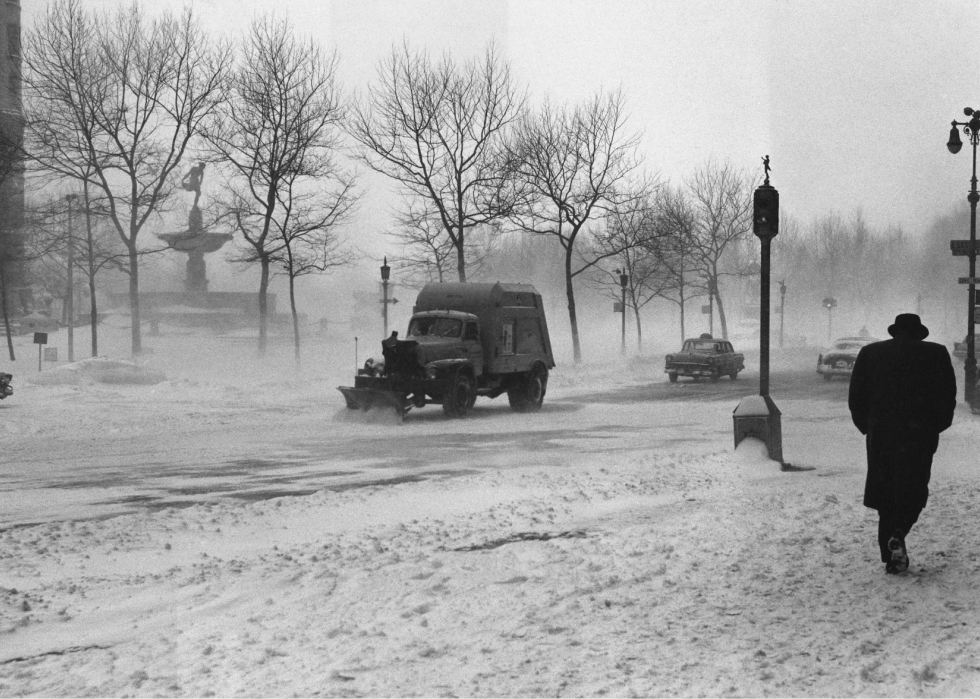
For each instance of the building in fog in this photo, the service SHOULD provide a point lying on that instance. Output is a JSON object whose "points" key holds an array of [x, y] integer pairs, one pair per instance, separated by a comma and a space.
{"points": [[11, 170]]}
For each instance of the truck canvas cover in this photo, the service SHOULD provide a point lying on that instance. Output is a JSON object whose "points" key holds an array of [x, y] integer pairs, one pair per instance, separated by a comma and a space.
{"points": [[512, 317]]}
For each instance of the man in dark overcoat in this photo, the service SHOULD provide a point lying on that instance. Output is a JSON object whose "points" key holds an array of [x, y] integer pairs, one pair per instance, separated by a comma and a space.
{"points": [[902, 395]]}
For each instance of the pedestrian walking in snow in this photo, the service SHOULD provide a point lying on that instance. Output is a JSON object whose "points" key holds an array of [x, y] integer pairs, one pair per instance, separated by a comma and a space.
{"points": [[902, 395]]}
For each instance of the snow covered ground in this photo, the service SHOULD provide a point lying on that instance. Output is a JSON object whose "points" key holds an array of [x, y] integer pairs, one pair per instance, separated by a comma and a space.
{"points": [[209, 525]]}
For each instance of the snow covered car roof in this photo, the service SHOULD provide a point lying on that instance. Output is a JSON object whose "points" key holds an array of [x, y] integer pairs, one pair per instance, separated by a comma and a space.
{"points": [[852, 343]]}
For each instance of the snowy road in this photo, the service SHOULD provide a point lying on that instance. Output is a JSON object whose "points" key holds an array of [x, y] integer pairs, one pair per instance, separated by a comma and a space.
{"points": [[612, 544], [222, 449]]}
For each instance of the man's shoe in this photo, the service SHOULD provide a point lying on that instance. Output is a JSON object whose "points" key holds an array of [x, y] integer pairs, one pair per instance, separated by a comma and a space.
{"points": [[900, 557]]}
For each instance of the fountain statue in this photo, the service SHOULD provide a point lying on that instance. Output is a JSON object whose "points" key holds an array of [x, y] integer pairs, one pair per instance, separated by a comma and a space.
{"points": [[195, 241]]}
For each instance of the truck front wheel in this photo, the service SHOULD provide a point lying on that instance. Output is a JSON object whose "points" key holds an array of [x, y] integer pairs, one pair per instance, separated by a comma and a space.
{"points": [[460, 397], [528, 394]]}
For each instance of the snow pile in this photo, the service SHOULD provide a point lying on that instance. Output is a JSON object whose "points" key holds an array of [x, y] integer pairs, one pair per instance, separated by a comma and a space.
{"points": [[98, 370]]}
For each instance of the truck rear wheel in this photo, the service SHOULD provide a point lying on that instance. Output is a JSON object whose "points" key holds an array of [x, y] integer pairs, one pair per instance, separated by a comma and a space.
{"points": [[528, 395], [460, 397]]}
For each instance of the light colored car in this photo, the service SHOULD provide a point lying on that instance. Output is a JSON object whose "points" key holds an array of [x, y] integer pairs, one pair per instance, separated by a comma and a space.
{"points": [[839, 359], [959, 348]]}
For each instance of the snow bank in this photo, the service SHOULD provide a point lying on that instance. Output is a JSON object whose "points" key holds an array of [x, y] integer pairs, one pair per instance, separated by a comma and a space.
{"points": [[98, 370]]}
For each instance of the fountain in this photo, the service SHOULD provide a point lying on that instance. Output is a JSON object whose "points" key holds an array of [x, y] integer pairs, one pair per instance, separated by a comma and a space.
{"points": [[195, 241], [195, 305]]}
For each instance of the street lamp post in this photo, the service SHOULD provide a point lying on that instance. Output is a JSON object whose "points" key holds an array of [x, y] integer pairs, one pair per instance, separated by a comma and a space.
{"points": [[972, 129], [385, 275], [71, 281], [623, 280], [782, 310], [830, 303], [758, 416]]}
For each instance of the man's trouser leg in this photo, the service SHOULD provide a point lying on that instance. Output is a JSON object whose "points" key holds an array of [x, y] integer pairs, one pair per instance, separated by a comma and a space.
{"points": [[893, 523]]}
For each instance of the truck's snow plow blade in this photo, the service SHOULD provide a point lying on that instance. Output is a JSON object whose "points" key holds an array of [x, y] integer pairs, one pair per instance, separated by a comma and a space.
{"points": [[367, 398]]}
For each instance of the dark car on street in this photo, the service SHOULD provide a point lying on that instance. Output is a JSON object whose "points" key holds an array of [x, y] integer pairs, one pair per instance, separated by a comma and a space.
{"points": [[839, 359], [5, 389], [704, 356]]}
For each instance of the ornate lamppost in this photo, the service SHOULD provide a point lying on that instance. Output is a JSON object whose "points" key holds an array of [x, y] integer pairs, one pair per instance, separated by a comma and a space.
{"points": [[385, 275], [830, 303], [969, 248], [623, 281]]}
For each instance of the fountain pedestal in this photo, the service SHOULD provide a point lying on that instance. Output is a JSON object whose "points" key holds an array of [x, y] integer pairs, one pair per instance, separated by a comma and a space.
{"points": [[196, 243]]}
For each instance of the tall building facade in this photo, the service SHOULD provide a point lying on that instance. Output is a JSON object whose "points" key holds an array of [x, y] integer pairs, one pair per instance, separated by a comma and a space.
{"points": [[11, 169]]}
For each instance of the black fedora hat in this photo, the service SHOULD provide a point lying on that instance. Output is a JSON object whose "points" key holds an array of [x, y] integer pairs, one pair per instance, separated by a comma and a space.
{"points": [[910, 323]]}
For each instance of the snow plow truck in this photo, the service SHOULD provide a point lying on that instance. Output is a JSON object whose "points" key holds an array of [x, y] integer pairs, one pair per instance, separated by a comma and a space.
{"points": [[463, 341]]}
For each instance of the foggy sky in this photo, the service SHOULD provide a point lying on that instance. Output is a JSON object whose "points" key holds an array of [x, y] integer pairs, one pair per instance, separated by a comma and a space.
{"points": [[852, 101]]}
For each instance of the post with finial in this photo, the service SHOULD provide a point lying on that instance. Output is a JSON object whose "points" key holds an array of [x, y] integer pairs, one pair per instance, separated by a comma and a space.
{"points": [[385, 276], [758, 416]]}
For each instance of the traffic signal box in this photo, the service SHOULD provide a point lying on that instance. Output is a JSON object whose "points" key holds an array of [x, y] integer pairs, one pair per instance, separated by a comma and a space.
{"points": [[765, 212]]}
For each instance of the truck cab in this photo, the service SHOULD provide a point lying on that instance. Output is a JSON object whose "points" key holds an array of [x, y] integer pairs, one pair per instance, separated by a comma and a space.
{"points": [[447, 335]]}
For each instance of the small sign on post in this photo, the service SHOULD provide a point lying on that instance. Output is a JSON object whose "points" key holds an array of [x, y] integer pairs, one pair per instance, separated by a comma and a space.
{"points": [[39, 340], [617, 306], [969, 280], [959, 248], [706, 309]]}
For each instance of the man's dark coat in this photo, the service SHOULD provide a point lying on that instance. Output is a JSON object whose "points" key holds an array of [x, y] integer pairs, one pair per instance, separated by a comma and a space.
{"points": [[902, 395]]}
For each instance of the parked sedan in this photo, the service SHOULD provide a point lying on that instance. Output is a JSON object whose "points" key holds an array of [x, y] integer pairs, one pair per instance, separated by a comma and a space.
{"points": [[839, 360]]}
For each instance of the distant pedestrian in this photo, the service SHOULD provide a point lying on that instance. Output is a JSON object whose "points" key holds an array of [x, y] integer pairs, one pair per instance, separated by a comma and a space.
{"points": [[902, 395]]}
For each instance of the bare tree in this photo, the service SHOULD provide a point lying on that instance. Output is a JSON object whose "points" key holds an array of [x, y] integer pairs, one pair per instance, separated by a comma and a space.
{"points": [[576, 165], [114, 100], [428, 255], [439, 131], [721, 197], [675, 251], [278, 134], [631, 234], [52, 245], [307, 240]]}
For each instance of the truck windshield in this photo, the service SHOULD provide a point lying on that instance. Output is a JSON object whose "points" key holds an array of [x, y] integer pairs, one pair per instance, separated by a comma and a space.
{"points": [[435, 327]]}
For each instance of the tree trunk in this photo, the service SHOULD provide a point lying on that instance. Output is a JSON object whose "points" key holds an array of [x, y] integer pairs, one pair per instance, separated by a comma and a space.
{"points": [[3, 308], [683, 332], [639, 330], [134, 300], [721, 314], [460, 256], [572, 318], [292, 308], [263, 305], [91, 276]]}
